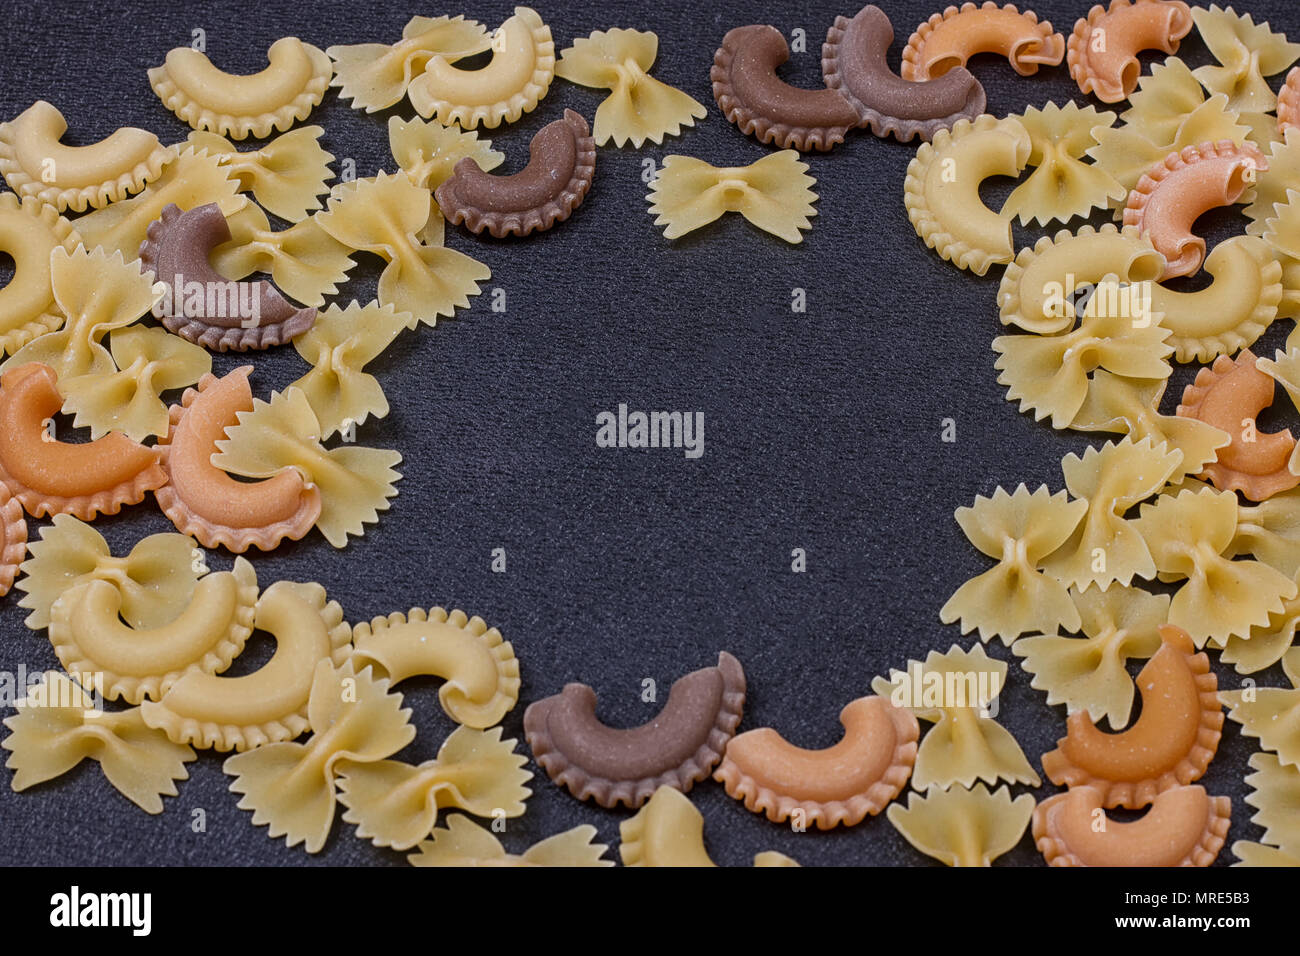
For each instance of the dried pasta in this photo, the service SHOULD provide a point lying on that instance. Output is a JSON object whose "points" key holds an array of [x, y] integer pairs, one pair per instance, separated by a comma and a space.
{"points": [[13, 539], [1271, 714], [465, 843], [963, 827], [1273, 184], [1062, 186], [949, 39], [669, 831], [1247, 53], [287, 175], [1102, 50], [29, 232]]}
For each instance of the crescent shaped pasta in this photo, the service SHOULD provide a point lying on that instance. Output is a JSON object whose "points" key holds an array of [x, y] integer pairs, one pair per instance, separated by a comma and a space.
{"points": [[1288, 104], [149, 362], [1184, 827], [57, 726], [354, 483], [1246, 53], [464, 843], [205, 502], [207, 98], [429, 152], [385, 216], [942, 197], [1062, 186], [1170, 744], [956, 691], [512, 84], [639, 107], [1036, 290], [840, 785], [270, 704], [1102, 51], [1088, 673], [1106, 548], [338, 347], [13, 539], [374, 76], [678, 748], [949, 39], [1130, 406], [1271, 714], [29, 232], [1020, 530], [1230, 395], [156, 579], [287, 175], [479, 668], [139, 663], [54, 477], [291, 787], [773, 193], [1169, 199], [1187, 534], [34, 163], [1276, 795], [396, 805], [963, 827], [669, 831]]}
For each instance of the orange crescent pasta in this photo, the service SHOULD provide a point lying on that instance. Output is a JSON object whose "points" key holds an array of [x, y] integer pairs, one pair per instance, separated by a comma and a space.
{"points": [[951, 38], [1103, 49]]}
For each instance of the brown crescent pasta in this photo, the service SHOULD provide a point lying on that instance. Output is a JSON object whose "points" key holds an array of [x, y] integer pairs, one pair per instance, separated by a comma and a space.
{"points": [[854, 64], [224, 315], [561, 165], [678, 748], [752, 96]]}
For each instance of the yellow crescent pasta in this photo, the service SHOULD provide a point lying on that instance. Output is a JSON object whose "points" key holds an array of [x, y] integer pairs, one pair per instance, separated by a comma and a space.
{"points": [[29, 232], [13, 539], [207, 98], [1062, 186], [464, 843], [287, 175], [963, 827], [1246, 53]]}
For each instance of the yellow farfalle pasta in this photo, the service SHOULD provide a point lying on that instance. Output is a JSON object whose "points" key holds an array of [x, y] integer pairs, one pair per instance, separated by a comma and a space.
{"points": [[1276, 797], [1272, 184], [194, 179], [1049, 375], [1271, 714], [29, 231], [1020, 530], [287, 175], [428, 153], [669, 831], [1130, 406], [97, 293], [207, 98], [1107, 548], [290, 787], [957, 692], [465, 843], [1187, 534], [942, 196], [963, 827], [1264, 645], [1088, 672], [1247, 52], [1282, 232], [355, 483], [1038, 290], [339, 346], [1270, 531], [512, 84], [774, 193], [374, 76], [306, 262], [639, 107], [149, 362], [270, 704], [156, 580], [1062, 186], [34, 163], [1257, 854], [58, 725], [385, 216]]}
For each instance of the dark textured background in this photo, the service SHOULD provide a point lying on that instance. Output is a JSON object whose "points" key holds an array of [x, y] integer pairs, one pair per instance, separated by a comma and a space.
{"points": [[822, 430]]}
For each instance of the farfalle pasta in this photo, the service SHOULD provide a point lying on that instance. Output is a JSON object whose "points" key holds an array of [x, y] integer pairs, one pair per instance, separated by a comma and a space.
{"points": [[58, 725], [1102, 50], [1270, 530], [354, 483], [1265, 645], [29, 232], [156, 579], [1272, 185], [950, 38], [1188, 534], [512, 84], [428, 152], [639, 107], [963, 827], [946, 209], [385, 216], [207, 98], [89, 635], [669, 831], [287, 175], [463, 843], [34, 163], [956, 692], [1276, 798], [1020, 530], [1271, 714], [1062, 186], [774, 193], [1247, 52]]}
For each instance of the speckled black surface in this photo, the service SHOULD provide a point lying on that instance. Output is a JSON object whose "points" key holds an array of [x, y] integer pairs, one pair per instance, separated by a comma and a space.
{"points": [[822, 430]]}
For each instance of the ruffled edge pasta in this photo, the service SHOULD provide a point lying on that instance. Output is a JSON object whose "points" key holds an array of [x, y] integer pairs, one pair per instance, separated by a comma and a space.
{"points": [[63, 234], [1116, 89], [13, 537], [1039, 45]]}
